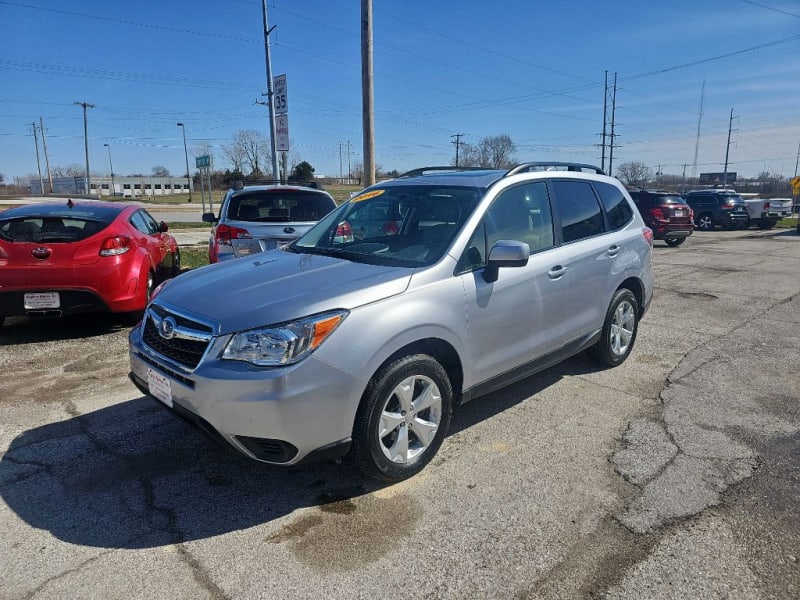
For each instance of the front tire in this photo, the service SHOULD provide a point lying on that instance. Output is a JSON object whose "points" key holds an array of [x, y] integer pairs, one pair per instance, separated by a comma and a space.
{"points": [[403, 418], [674, 241], [619, 330]]}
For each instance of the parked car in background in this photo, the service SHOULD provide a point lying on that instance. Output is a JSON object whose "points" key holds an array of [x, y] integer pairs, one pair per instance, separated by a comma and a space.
{"points": [[667, 214], [259, 216], [75, 257], [717, 208], [419, 294], [766, 213]]}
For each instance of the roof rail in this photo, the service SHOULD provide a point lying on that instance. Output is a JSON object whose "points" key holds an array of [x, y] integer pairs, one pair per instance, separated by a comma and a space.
{"points": [[553, 166], [452, 169], [239, 184]]}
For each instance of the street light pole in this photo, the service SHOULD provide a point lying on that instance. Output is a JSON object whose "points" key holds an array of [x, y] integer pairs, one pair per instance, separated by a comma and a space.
{"points": [[186, 156], [111, 166]]}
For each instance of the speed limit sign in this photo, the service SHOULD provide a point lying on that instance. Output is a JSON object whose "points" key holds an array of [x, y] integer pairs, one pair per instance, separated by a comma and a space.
{"points": [[279, 97]]}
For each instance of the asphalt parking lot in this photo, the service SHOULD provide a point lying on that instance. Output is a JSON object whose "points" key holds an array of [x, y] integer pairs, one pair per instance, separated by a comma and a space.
{"points": [[675, 475]]}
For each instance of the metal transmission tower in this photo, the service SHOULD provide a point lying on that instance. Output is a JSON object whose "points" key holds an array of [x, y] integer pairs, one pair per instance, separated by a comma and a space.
{"points": [[613, 122], [605, 135], [699, 120], [605, 121], [457, 143], [727, 151], [87, 178]]}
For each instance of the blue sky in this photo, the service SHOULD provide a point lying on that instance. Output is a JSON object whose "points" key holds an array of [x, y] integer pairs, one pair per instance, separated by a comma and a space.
{"points": [[531, 70]]}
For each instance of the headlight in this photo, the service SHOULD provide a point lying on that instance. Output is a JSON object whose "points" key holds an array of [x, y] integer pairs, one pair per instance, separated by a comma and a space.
{"points": [[283, 344]]}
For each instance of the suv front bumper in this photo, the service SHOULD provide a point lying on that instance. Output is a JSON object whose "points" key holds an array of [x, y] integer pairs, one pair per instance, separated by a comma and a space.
{"points": [[279, 415]]}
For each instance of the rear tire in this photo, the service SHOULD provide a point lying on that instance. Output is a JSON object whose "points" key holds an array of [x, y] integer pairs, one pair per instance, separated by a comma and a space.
{"points": [[674, 241], [403, 418], [619, 330], [766, 224], [705, 222], [176, 263], [133, 317]]}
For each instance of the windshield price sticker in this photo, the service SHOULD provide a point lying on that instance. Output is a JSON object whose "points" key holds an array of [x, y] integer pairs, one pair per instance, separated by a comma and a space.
{"points": [[367, 196]]}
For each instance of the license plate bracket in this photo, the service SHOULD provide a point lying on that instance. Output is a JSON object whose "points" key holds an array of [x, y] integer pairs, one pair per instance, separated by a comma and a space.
{"points": [[160, 387], [40, 300]]}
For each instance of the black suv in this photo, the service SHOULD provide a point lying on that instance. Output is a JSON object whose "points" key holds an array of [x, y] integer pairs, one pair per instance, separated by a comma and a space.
{"points": [[666, 214], [717, 207]]}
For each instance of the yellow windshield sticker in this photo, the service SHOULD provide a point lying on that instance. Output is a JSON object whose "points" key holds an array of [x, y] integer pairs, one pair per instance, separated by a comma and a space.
{"points": [[367, 196]]}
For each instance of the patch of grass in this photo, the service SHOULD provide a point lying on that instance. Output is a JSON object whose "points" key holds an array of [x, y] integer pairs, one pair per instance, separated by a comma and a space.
{"points": [[193, 257], [790, 222], [341, 193], [178, 225]]}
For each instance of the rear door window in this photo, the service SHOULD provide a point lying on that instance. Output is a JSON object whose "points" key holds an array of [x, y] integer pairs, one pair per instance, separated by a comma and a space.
{"points": [[578, 209]]}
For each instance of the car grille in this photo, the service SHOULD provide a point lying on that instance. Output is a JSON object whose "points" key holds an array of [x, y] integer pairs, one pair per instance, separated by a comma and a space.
{"points": [[183, 350]]}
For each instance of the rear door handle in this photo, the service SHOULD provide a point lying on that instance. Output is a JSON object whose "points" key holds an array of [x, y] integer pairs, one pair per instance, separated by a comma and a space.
{"points": [[613, 251], [557, 272]]}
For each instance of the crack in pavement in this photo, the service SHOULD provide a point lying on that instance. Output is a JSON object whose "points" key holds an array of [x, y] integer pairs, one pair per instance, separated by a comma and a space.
{"points": [[685, 460]]}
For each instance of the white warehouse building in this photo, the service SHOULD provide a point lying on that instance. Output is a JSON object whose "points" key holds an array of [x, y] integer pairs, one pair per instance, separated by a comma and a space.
{"points": [[125, 187]]}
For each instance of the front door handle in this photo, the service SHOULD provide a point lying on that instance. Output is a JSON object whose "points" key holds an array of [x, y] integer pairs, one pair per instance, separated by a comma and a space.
{"points": [[557, 272]]}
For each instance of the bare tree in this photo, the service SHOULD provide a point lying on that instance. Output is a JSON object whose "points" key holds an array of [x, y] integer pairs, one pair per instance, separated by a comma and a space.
{"points": [[235, 155], [255, 149], [634, 174], [495, 152], [160, 171]]}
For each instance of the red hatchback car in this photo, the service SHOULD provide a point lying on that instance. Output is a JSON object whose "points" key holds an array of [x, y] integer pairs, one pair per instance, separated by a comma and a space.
{"points": [[77, 257]]}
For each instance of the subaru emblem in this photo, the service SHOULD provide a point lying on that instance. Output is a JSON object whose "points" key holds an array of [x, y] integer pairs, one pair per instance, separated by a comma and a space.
{"points": [[166, 329]]}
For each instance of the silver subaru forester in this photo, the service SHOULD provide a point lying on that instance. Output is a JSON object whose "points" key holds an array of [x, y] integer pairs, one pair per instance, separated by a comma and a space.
{"points": [[415, 296]]}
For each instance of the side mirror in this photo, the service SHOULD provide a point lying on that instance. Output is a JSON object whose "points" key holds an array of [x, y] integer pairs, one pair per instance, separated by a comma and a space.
{"points": [[209, 218], [505, 253], [163, 227]]}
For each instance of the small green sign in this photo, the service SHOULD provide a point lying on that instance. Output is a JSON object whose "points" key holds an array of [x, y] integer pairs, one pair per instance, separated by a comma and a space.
{"points": [[202, 161]]}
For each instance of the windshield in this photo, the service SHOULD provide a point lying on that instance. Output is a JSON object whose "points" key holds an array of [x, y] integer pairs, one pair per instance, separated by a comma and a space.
{"points": [[397, 225], [50, 228]]}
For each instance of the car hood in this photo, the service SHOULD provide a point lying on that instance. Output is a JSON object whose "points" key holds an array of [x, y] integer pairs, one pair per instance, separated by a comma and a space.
{"points": [[277, 286]]}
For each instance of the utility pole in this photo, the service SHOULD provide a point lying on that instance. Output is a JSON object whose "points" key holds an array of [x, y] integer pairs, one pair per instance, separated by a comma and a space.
{"points": [[349, 170], [367, 93], [186, 156], [87, 179], [340, 161], [46, 158], [38, 165], [683, 186], [457, 143], [727, 150], [613, 135], [111, 166], [273, 144], [796, 162]]}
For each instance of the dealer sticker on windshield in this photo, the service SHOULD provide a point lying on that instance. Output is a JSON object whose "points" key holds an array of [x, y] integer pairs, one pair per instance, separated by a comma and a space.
{"points": [[367, 196]]}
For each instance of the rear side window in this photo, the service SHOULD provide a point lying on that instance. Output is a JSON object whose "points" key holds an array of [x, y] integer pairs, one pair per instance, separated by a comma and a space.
{"points": [[617, 208], [580, 213], [279, 206]]}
